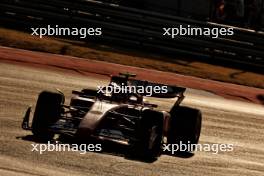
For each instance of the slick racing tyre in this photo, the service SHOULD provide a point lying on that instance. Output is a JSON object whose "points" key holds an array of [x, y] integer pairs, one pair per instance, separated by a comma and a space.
{"points": [[150, 135], [185, 126], [47, 112]]}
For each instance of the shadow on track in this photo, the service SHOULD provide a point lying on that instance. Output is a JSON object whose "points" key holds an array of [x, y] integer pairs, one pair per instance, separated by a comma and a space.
{"points": [[261, 98], [109, 148]]}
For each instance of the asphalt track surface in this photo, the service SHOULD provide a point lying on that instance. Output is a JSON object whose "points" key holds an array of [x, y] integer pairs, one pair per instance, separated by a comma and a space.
{"points": [[224, 121]]}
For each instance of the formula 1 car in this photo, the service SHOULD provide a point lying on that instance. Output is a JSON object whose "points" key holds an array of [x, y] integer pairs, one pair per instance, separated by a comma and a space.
{"points": [[123, 118]]}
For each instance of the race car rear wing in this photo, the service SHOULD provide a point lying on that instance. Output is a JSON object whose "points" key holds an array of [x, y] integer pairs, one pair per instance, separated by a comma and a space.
{"points": [[168, 91]]}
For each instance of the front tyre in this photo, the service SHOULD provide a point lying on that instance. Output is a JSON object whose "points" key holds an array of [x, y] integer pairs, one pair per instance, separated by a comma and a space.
{"points": [[149, 135], [47, 112]]}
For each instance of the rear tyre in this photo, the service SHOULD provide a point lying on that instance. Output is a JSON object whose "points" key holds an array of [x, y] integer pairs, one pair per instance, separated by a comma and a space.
{"points": [[149, 135], [47, 112], [185, 127]]}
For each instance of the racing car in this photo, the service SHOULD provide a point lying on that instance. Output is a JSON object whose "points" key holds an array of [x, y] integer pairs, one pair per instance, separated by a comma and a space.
{"points": [[122, 118]]}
